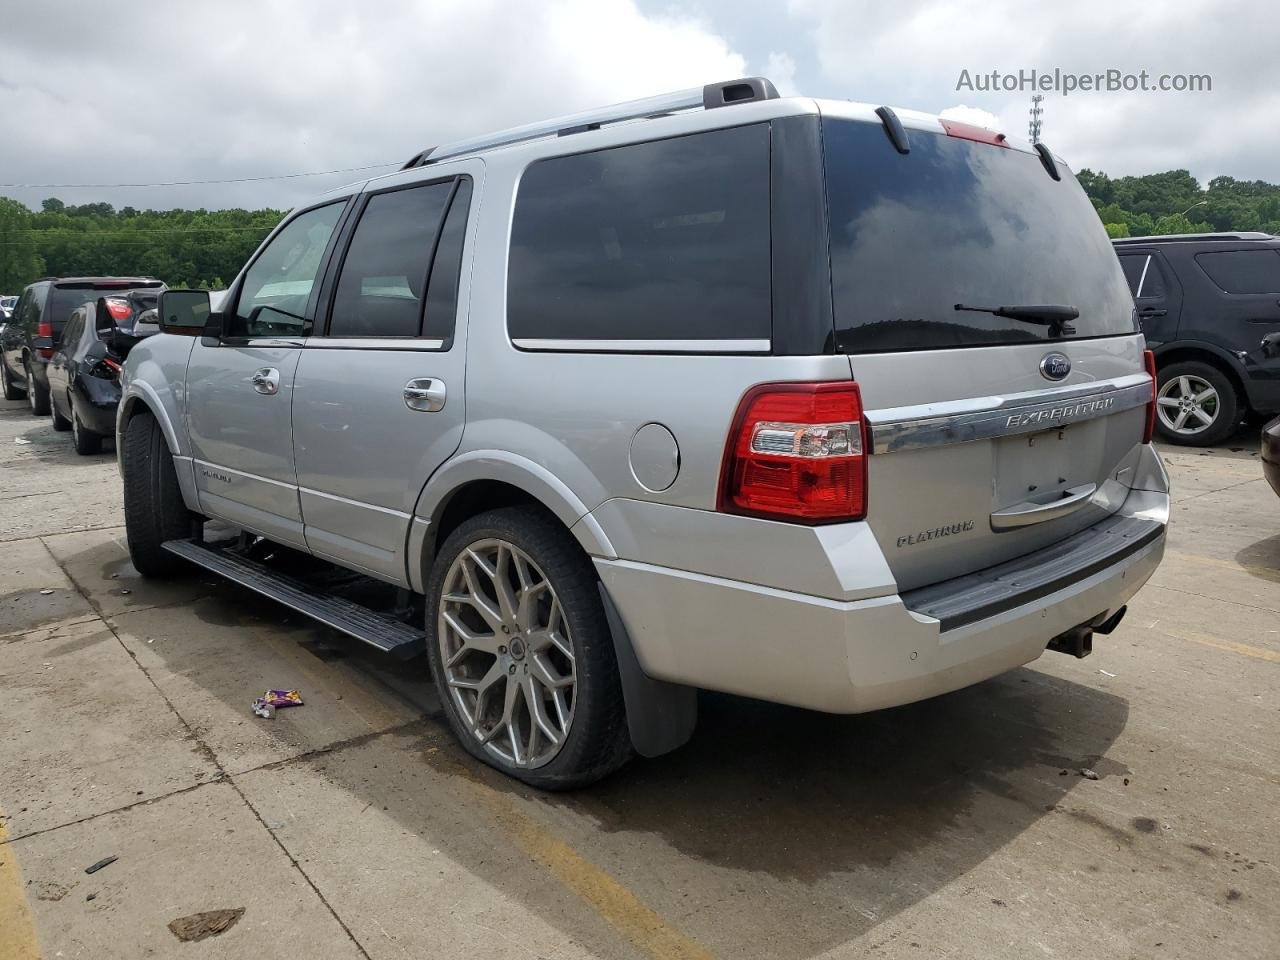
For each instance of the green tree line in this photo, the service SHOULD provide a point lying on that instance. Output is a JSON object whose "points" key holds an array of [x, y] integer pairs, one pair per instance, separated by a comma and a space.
{"points": [[1174, 202], [184, 248], [206, 248]]}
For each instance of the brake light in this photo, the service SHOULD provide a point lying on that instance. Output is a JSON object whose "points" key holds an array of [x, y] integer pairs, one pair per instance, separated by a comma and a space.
{"points": [[1149, 359], [796, 452], [45, 329], [967, 131], [112, 365], [119, 309]]}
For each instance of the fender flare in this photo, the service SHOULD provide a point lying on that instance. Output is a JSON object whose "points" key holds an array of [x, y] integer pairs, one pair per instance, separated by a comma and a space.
{"points": [[524, 474], [139, 391]]}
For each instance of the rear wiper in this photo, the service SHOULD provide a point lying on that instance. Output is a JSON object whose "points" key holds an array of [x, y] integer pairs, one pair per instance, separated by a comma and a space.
{"points": [[1056, 316]]}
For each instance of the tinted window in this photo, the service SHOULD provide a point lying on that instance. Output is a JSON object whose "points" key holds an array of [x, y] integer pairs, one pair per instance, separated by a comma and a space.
{"points": [[1243, 271], [71, 333], [657, 241], [273, 299], [34, 307], [65, 299], [1152, 284], [384, 274], [1133, 266], [955, 222], [442, 290]]}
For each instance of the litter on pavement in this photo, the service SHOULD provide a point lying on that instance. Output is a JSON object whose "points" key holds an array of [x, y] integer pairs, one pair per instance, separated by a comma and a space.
{"points": [[271, 701]]}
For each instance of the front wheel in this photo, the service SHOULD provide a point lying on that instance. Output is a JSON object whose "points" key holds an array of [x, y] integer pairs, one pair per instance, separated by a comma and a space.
{"points": [[1196, 404], [60, 423], [521, 651], [153, 508]]}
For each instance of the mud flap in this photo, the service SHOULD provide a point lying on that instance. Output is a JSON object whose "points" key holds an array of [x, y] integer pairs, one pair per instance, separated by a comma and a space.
{"points": [[660, 715]]}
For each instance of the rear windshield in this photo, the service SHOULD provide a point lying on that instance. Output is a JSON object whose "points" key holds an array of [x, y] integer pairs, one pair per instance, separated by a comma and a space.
{"points": [[62, 300], [955, 221]]}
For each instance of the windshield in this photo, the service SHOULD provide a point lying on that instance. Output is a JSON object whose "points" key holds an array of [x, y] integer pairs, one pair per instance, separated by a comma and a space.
{"points": [[955, 221]]}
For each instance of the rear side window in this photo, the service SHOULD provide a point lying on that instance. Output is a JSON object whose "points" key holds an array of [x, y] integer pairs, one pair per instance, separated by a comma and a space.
{"points": [[952, 222], [659, 241], [1144, 274], [1243, 271], [384, 274]]}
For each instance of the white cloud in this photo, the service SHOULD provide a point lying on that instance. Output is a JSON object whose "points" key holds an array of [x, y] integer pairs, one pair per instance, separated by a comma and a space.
{"points": [[974, 115], [244, 88], [911, 54], [781, 69]]}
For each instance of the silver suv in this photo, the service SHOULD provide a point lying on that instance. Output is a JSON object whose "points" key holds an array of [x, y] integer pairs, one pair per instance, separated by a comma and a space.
{"points": [[802, 400]]}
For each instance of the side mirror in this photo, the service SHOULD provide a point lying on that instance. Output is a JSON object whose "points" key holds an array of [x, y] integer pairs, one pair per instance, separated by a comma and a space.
{"points": [[184, 312]]}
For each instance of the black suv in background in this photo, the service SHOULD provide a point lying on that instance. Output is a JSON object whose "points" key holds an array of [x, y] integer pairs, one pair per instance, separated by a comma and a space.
{"points": [[30, 337], [1206, 303]]}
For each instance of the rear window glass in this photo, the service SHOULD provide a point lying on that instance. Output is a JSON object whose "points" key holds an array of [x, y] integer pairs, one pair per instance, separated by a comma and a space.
{"points": [[1243, 271], [955, 222], [667, 240], [62, 300]]}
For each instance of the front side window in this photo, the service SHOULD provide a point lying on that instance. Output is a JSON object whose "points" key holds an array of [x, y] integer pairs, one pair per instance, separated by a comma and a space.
{"points": [[384, 274], [277, 287], [1243, 271], [659, 241]]}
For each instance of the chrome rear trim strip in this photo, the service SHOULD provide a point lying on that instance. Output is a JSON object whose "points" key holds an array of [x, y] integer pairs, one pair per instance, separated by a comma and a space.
{"points": [[646, 346], [985, 418]]}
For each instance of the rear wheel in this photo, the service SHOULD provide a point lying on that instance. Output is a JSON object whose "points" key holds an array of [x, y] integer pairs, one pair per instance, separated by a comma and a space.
{"points": [[1196, 404], [10, 389], [522, 653], [60, 423], [153, 507], [37, 397], [86, 441]]}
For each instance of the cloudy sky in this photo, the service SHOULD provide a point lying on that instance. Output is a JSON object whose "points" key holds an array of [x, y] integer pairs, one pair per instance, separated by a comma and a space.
{"points": [[154, 91]]}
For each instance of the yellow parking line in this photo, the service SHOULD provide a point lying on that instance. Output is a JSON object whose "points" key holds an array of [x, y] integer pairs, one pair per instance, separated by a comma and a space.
{"points": [[641, 926], [1244, 649], [1265, 573], [17, 927]]}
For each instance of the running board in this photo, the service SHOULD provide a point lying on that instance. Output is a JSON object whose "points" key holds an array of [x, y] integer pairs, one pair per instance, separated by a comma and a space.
{"points": [[376, 629]]}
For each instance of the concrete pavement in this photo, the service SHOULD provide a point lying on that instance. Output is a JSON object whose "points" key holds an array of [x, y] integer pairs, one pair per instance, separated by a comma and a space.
{"points": [[354, 827]]}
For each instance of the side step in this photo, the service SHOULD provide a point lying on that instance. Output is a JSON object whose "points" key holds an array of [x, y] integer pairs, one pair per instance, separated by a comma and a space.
{"points": [[386, 633]]}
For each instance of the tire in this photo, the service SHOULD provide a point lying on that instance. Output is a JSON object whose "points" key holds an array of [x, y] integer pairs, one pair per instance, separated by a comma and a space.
{"points": [[87, 443], [61, 423], [587, 715], [37, 397], [153, 507], [1196, 405], [7, 386]]}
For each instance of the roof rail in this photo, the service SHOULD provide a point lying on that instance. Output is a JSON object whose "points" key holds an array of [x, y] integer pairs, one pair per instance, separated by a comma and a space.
{"points": [[724, 94], [1196, 237]]}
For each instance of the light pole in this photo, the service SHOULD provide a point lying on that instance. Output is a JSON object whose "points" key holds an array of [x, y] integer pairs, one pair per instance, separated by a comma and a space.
{"points": [[1192, 207]]}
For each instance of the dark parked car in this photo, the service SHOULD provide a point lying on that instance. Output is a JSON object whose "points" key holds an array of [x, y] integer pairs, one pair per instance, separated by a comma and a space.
{"points": [[38, 321], [1206, 302], [6, 308], [84, 371], [1271, 454]]}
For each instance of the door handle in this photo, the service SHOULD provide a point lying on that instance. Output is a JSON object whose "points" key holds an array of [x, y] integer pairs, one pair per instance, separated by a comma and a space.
{"points": [[426, 395], [266, 381], [1151, 312], [1033, 511]]}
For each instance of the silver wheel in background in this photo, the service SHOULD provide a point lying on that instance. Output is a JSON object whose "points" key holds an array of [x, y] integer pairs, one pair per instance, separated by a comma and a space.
{"points": [[1188, 405], [506, 653]]}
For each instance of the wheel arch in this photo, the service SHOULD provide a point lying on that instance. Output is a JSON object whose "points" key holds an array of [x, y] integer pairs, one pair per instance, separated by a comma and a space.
{"points": [[483, 480], [141, 398]]}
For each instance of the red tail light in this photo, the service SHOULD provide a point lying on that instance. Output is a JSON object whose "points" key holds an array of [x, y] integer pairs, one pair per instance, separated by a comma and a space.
{"points": [[112, 365], [119, 309], [45, 329], [1149, 359], [967, 131], [796, 452]]}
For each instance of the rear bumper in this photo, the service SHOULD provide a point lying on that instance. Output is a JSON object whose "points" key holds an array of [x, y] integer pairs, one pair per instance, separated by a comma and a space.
{"points": [[859, 655], [96, 402]]}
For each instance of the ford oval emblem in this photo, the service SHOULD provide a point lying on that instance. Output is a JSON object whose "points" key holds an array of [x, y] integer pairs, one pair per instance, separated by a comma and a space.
{"points": [[1055, 366]]}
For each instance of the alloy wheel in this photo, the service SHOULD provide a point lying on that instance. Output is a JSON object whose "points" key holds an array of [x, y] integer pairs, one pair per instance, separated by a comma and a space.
{"points": [[507, 653], [1188, 405]]}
